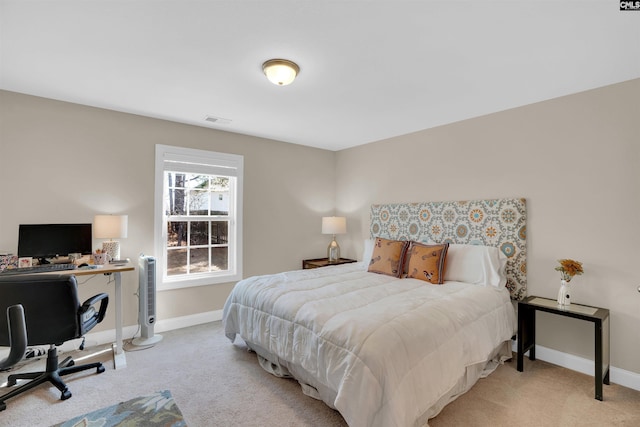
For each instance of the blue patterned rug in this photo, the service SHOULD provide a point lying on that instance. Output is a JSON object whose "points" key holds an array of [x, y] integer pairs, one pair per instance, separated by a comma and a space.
{"points": [[157, 409]]}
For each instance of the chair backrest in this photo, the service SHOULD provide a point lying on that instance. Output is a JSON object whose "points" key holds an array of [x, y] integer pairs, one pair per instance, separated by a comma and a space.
{"points": [[17, 336], [50, 304]]}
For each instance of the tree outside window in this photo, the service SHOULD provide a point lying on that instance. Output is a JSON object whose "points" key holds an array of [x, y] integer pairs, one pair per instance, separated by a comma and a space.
{"points": [[197, 211]]}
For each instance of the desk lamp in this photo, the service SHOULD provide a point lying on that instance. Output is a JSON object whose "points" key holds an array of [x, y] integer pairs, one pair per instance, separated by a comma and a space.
{"points": [[110, 227], [334, 225]]}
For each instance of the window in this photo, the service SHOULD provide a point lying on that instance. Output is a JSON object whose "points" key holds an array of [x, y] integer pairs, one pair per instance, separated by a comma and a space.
{"points": [[198, 221]]}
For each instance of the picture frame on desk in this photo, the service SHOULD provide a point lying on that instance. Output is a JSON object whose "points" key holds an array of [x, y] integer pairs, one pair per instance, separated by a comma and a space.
{"points": [[25, 262]]}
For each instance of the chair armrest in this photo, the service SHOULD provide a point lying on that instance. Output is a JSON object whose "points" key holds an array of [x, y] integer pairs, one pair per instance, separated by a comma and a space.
{"points": [[17, 336], [88, 315]]}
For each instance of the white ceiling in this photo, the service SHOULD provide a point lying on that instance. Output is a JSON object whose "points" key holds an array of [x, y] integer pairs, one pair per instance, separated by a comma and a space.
{"points": [[370, 70]]}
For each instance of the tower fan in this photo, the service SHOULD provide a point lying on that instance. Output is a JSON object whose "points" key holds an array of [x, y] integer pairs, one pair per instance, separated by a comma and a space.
{"points": [[147, 302]]}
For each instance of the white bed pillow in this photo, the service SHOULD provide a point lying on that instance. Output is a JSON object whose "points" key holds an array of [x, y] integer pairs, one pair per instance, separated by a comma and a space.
{"points": [[367, 253], [476, 264]]}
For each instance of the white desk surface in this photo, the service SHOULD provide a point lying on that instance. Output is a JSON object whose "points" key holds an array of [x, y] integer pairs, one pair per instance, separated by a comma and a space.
{"points": [[105, 269]]}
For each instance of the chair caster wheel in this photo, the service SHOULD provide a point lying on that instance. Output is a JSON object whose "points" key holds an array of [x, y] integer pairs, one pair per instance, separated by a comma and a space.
{"points": [[71, 363], [3, 406], [11, 382], [100, 369], [65, 395]]}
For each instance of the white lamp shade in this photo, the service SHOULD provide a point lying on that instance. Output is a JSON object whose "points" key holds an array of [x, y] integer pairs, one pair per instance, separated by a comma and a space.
{"points": [[334, 225], [110, 226]]}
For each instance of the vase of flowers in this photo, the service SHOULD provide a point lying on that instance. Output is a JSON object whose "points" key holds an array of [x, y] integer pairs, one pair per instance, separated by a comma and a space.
{"points": [[567, 268]]}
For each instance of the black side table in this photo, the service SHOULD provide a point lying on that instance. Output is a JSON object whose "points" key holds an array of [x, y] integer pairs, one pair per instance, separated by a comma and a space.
{"points": [[599, 316], [324, 262]]}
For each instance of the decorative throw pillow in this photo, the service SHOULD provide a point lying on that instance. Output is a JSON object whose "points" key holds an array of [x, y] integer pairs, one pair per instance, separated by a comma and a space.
{"points": [[426, 262], [388, 257]]}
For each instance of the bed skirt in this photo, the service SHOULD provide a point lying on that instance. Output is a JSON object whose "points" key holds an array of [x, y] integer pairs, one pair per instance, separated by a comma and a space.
{"points": [[281, 368]]}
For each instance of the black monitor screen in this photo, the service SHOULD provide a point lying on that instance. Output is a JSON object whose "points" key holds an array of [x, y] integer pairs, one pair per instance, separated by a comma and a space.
{"points": [[50, 240]]}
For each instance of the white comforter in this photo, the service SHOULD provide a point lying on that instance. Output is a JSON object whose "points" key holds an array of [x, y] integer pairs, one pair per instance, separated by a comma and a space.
{"points": [[387, 348]]}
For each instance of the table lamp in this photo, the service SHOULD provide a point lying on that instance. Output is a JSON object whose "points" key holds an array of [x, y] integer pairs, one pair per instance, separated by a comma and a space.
{"points": [[334, 225], [110, 227]]}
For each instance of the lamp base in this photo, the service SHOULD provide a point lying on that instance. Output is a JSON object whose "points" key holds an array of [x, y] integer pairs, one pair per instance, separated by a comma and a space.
{"points": [[333, 251], [112, 248]]}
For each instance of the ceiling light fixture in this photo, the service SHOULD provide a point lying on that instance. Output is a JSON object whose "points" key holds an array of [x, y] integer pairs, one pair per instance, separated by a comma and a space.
{"points": [[280, 72]]}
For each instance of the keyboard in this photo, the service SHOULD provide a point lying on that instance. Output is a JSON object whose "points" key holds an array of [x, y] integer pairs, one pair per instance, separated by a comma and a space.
{"points": [[43, 268]]}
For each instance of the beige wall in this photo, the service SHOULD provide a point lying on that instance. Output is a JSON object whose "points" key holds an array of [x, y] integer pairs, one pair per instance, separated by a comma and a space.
{"points": [[62, 162], [575, 159]]}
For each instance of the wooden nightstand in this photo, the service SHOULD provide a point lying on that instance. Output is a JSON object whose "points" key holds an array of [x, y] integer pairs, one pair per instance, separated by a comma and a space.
{"points": [[599, 316], [323, 262]]}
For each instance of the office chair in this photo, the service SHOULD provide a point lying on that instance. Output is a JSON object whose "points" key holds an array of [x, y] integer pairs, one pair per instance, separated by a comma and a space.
{"points": [[53, 315]]}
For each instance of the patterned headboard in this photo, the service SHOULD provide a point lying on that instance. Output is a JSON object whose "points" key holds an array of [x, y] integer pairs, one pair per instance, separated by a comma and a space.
{"points": [[501, 223]]}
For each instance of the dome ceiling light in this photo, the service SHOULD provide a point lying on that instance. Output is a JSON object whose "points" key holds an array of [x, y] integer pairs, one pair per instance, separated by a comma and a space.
{"points": [[280, 72]]}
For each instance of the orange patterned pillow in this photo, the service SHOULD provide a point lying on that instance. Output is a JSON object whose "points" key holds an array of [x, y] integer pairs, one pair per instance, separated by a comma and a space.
{"points": [[426, 262], [388, 257]]}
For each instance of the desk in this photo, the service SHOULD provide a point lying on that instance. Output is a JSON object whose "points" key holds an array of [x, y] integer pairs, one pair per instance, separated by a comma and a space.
{"points": [[119, 358], [599, 316]]}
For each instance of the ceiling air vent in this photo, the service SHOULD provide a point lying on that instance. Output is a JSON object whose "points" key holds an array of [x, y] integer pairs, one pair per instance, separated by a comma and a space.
{"points": [[217, 120]]}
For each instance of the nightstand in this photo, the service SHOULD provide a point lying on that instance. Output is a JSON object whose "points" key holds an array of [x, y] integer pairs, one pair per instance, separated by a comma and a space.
{"points": [[323, 262], [599, 316]]}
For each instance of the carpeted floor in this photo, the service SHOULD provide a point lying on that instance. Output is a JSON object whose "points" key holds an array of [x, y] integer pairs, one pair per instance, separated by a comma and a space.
{"points": [[216, 383]]}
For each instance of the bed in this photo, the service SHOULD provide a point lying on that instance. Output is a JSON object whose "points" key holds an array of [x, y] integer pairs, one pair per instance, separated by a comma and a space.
{"points": [[386, 341]]}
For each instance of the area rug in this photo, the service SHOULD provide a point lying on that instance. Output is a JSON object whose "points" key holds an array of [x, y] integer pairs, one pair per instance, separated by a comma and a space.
{"points": [[157, 409]]}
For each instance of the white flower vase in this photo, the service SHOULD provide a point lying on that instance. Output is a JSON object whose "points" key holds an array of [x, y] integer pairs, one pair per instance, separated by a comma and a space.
{"points": [[564, 294]]}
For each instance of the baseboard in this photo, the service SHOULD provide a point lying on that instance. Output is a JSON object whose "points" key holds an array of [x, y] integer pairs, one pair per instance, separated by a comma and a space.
{"points": [[186, 321], [586, 366], [128, 332], [93, 339]]}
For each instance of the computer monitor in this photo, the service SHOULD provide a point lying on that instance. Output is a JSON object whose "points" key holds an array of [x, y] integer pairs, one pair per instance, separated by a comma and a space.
{"points": [[44, 241]]}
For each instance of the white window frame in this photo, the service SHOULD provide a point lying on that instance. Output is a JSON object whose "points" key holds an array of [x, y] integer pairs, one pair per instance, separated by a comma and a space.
{"points": [[189, 160]]}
